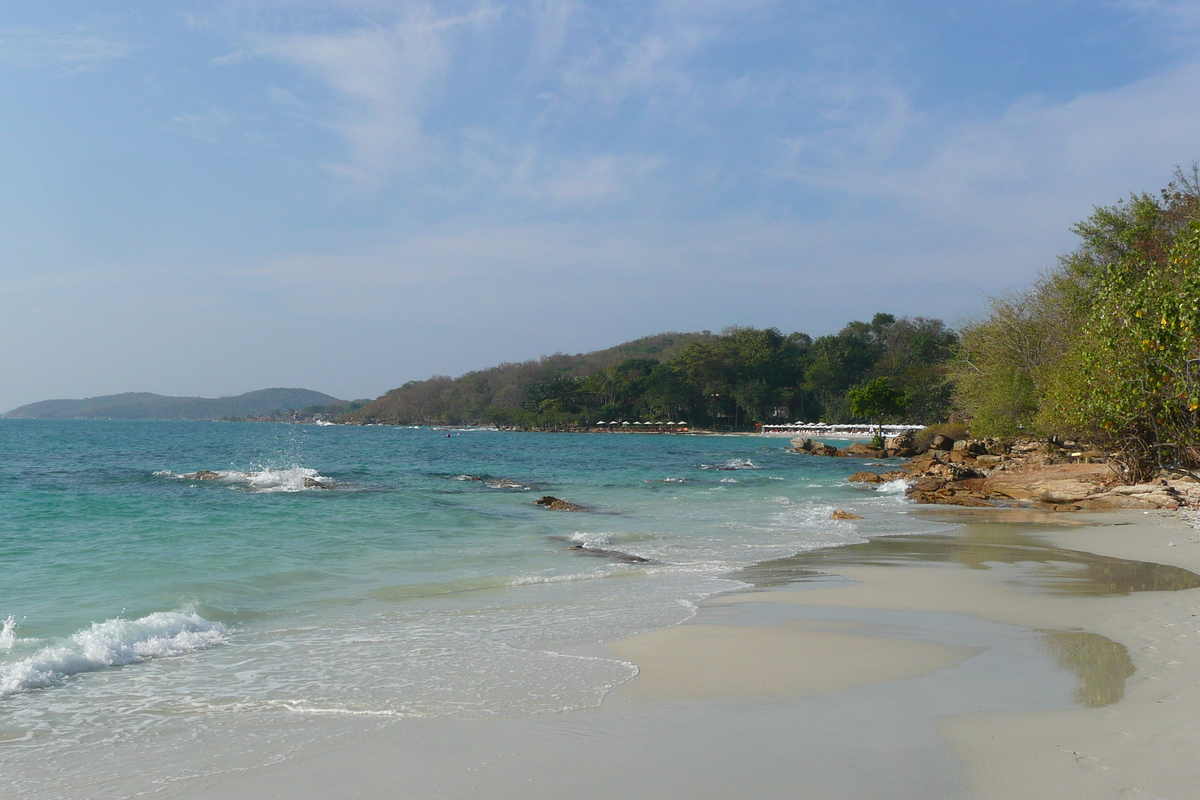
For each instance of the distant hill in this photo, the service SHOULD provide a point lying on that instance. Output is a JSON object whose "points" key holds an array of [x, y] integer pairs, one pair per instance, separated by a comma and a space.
{"points": [[144, 405], [472, 396]]}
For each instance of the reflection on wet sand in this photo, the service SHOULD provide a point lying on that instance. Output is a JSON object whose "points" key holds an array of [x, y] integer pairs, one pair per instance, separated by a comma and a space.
{"points": [[1050, 569], [1100, 665]]}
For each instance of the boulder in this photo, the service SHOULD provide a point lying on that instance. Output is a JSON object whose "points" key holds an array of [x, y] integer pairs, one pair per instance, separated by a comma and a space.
{"points": [[941, 442], [204, 475], [995, 447], [802, 443], [313, 483], [822, 449], [843, 515], [860, 450], [555, 504], [894, 475], [865, 477], [905, 441]]}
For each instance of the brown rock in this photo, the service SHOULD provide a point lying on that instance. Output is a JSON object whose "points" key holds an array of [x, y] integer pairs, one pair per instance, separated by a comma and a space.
{"points": [[941, 442], [843, 515], [865, 477], [204, 475], [555, 504], [860, 450], [894, 475]]}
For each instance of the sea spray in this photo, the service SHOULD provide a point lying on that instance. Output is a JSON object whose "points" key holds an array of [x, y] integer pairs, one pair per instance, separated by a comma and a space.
{"points": [[8, 633]]}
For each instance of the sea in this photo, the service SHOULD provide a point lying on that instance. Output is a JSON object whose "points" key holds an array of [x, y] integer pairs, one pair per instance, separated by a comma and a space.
{"points": [[316, 579]]}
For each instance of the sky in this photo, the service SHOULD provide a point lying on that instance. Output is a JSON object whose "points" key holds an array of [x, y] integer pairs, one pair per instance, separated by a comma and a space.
{"points": [[207, 198]]}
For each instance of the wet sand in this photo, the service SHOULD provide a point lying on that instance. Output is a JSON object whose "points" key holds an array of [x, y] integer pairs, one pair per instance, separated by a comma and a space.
{"points": [[1045, 656]]}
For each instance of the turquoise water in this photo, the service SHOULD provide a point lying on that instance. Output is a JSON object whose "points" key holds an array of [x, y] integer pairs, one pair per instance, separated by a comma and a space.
{"points": [[421, 581]]}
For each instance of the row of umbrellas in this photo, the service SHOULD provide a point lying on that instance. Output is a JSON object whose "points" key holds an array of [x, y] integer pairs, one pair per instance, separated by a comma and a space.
{"points": [[652, 424]]}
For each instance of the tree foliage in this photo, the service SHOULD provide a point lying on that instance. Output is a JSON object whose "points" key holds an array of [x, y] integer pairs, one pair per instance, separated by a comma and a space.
{"points": [[876, 401], [732, 380], [1105, 348]]}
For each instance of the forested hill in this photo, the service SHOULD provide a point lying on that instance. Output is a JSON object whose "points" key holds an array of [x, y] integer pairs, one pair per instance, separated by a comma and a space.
{"points": [[144, 405], [489, 395], [730, 380]]}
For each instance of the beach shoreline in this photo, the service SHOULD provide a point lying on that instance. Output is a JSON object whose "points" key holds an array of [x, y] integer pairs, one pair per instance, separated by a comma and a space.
{"points": [[886, 675]]}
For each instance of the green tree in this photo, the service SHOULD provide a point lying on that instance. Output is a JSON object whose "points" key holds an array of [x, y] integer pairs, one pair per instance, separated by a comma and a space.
{"points": [[876, 401]]}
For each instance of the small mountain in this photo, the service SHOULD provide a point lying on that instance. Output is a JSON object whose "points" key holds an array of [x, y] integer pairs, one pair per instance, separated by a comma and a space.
{"points": [[144, 405]]}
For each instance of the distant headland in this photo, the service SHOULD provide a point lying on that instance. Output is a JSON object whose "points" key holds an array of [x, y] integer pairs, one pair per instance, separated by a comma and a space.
{"points": [[264, 404]]}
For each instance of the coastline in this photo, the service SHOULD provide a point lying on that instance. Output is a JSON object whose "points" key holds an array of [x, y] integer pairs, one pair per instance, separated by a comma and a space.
{"points": [[887, 672]]}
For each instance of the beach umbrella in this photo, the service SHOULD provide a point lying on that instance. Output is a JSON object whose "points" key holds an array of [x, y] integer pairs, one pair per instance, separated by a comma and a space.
{"points": [[601, 422]]}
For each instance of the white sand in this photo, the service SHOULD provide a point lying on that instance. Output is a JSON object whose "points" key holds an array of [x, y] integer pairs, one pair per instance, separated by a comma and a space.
{"points": [[884, 689]]}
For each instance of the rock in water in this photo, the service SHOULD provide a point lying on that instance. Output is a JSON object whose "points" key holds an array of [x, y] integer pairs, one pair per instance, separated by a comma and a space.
{"points": [[860, 450], [839, 514], [865, 477], [313, 483], [555, 504], [204, 475]]}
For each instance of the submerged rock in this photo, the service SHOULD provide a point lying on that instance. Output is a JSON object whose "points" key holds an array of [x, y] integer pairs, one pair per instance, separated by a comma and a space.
{"points": [[600, 552], [313, 483], [839, 514], [555, 504], [204, 475]]}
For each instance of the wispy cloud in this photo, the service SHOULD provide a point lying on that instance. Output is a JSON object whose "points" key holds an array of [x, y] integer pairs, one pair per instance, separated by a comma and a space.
{"points": [[71, 50], [380, 77]]}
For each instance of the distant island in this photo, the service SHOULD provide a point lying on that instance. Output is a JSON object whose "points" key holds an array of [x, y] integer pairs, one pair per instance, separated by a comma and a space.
{"points": [[264, 404]]}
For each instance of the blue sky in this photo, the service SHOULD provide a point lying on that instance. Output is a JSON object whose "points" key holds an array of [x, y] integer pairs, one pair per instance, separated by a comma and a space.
{"points": [[209, 198]]}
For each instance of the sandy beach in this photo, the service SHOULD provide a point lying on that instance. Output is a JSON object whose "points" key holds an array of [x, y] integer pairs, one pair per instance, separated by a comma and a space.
{"points": [[1019, 655]]}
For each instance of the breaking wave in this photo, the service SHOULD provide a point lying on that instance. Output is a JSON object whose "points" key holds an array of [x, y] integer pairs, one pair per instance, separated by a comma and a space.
{"points": [[112, 643]]}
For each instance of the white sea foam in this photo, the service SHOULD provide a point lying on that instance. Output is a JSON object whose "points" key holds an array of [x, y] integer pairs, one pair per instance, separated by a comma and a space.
{"points": [[113, 643], [893, 487], [292, 479], [8, 634], [733, 463]]}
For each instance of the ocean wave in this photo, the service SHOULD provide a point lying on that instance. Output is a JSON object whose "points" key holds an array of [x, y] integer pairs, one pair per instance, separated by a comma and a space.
{"points": [[893, 487], [266, 481], [112, 643], [535, 580]]}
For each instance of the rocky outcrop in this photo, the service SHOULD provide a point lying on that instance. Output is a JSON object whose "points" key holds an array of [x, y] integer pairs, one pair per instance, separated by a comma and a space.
{"points": [[313, 483], [204, 475], [859, 450], [815, 448], [555, 504], [839, 514], [1033, 474], [865, 477]]}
